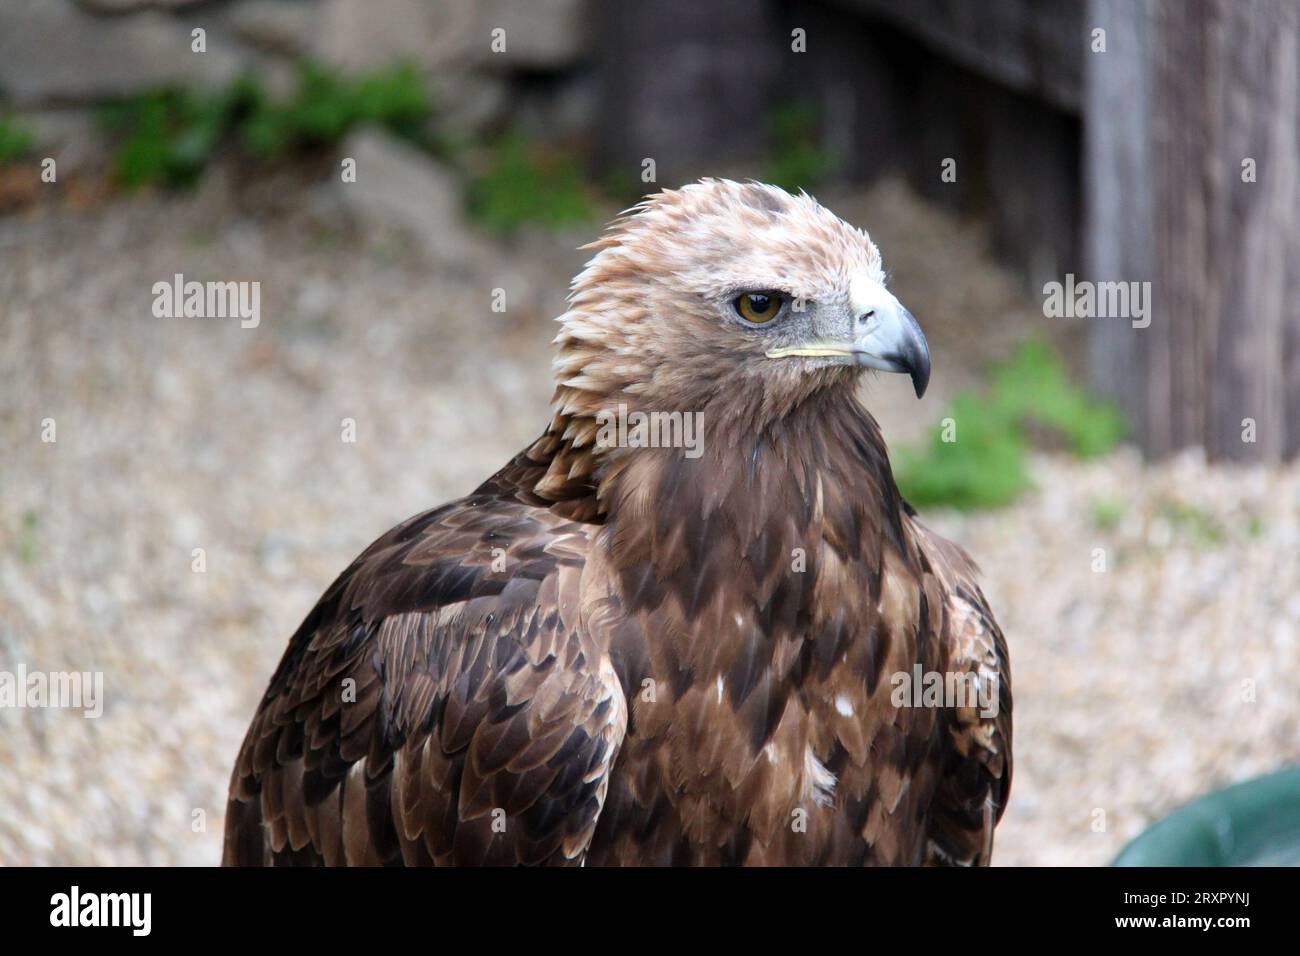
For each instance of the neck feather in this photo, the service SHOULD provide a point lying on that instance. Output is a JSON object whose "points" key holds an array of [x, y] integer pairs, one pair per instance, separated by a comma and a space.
{"points": [[806, 490]]}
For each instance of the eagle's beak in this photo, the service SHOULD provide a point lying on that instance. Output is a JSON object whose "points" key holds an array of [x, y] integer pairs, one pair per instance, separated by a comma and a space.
{"points": [[885, 336], [890, 339]]}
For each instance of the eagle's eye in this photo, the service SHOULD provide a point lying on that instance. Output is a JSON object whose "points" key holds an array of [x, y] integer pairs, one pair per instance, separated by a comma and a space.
{"points": [[757, 307]]}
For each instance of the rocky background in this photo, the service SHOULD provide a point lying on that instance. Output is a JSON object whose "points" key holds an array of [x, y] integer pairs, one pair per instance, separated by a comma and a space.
{"points": [[61, 58], [1137, 687]]}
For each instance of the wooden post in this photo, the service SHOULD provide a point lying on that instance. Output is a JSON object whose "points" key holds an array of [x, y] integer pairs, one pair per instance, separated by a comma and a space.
{"points": [[1192, 182], [683, 83]]}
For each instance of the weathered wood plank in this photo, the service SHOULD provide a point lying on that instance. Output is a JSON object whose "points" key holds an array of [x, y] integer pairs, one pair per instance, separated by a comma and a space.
{"points": [[1185, 92], [1032, 46], [684, 83], [1254, 228]]}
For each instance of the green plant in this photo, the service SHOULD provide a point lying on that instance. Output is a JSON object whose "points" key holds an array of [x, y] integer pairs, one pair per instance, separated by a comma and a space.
{"points": [[326, 106], [1107, 514], [976, 458], [1201, 525], [796, 161], [27, 537], [16, 140], [529, 184], [981, 467], [1034, 387], [167, 136]]}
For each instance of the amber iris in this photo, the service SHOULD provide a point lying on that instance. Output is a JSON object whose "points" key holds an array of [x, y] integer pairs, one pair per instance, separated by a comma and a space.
{"points": [[758, 307]]}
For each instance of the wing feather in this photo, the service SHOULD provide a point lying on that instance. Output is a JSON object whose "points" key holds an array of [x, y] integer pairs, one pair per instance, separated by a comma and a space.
{"points": [[976, 773], [441, 704]]}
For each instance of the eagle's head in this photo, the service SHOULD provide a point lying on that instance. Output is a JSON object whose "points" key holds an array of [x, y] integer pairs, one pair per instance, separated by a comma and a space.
{"points": [[725, 296], [736, 303]]}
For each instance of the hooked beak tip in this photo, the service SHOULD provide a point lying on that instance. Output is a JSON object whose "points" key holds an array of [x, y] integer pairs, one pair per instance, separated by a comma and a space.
{"points": [[920, 371]]}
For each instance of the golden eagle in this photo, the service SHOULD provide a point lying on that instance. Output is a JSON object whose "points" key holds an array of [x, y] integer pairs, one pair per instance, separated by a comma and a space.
{"points": [[688, 625]]}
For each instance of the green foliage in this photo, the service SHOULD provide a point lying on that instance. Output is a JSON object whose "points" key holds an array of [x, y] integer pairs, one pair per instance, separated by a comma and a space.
{"points": [[168, 136], [529, 184], [984, 466], [1107, 514], [27, 537], [796, 160], [1035, 387], [326, 106], [1201, 525], [16, 140]]}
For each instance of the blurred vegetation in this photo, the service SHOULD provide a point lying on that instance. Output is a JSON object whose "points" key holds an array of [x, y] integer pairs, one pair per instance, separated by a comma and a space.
{"points": [[1186, 521], [796, 161], [16, 140], [985, 463], [530, 184], [168, 136], [27, 537], [1107, 514], [1194, 521], [326, 106]]}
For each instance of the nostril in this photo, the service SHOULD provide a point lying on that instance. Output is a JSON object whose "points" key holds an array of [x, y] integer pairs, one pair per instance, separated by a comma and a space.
{"points": [[865, 316]]}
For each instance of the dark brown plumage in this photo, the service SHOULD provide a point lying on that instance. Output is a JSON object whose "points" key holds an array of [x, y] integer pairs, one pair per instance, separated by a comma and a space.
{"points": [[620, 655]]}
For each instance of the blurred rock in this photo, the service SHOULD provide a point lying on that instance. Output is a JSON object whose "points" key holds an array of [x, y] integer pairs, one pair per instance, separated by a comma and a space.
{"points": [[71, 137], [540, 35], [130, 6], [66, 53], [399, 187], [277, 25], [358, 35], [560, 106], [471, 102], [445, 34], [51, 51]]}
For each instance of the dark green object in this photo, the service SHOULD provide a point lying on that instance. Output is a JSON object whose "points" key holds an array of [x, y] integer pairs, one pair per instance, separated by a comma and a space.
{"points": [[1256, 823]]}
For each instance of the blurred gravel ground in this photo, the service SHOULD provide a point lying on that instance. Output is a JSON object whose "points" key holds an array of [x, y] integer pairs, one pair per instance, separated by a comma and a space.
{"points": [[176, 434]]}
